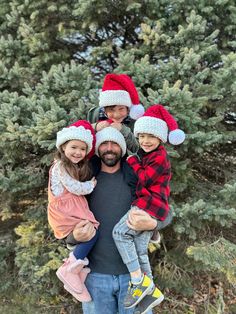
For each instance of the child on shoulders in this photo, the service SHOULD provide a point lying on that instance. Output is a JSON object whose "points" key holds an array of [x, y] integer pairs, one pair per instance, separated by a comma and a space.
{"points": [[119, 107]]}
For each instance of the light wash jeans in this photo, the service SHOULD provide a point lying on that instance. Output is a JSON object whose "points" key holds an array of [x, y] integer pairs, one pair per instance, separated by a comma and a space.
{"points": [[133, 246], [107, 292]]}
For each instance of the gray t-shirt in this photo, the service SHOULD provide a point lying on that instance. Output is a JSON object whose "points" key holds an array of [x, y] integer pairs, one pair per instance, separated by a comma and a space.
{"points": [[110, 200]]}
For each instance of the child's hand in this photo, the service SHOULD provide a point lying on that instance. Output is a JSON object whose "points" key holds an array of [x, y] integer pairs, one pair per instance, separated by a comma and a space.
{"points": [[101, 125], [94, 182], [129, 157], [117, 125], [132, 159]]}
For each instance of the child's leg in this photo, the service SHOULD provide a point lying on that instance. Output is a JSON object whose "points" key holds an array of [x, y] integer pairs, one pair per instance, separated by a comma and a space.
{"points": [[83, 248], [155, 296], [125, 241], [69, 272], [141, 242], [133, 248], [138, 290]]}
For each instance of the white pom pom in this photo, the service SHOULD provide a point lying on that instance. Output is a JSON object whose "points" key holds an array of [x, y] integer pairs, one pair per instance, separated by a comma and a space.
{"points": [[176, 137], [136, 111]]}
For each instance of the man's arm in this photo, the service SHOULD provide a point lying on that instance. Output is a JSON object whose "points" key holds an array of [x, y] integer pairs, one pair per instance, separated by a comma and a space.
{"points": [[84, 231], [139, 220]]}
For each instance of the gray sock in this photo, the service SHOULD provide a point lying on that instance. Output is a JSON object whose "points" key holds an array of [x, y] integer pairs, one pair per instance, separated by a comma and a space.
{"points": [[136, 280]]}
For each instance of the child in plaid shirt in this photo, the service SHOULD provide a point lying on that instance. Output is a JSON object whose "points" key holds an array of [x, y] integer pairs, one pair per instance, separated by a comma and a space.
{"points": [[154, 173]]}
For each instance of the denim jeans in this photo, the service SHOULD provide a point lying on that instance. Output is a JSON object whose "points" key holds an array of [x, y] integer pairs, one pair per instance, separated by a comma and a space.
{"points": [[107, 292], [132, 246]]}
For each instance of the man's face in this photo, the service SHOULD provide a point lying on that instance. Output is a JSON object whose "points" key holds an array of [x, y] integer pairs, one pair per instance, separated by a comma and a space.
{"points": [[110, 153]]}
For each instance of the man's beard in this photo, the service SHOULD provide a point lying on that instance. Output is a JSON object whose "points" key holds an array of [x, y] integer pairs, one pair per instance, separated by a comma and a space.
{"points": [[112, 160]]}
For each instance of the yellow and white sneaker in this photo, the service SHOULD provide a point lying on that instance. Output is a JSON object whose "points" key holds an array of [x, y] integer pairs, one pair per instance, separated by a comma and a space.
{"points": [[137, 292], [149, 301]]}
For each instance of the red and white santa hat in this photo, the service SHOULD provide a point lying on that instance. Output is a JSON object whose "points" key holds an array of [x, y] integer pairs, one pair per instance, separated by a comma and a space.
{"points": [[119, 89], [159, 122], [80, 130]]}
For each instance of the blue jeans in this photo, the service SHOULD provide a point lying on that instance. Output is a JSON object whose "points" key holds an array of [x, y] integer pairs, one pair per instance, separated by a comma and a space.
{"points": [[133, 246], [107, 292]]}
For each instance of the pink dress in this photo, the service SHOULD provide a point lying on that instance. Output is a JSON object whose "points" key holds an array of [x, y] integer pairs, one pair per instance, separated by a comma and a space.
{"points": [[67, 210]]}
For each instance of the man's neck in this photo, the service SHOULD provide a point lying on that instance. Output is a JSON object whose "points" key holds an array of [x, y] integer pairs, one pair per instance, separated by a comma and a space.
{"points": [[112, 169]]}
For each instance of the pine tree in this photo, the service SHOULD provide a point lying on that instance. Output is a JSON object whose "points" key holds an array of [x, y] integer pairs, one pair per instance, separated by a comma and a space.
{"points": [[53, 57]]}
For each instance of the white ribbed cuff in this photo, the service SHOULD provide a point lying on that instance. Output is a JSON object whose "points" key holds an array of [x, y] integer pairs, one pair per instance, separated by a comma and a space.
{"points": [[151, 125], [114, 97]]}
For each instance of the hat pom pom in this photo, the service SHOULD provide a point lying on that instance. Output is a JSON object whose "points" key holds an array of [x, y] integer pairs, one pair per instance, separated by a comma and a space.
{"points": [[176, 137], [136, 111]]}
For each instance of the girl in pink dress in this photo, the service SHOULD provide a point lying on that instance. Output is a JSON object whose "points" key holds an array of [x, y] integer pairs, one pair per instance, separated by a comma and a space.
{"points": [[69, 180]]}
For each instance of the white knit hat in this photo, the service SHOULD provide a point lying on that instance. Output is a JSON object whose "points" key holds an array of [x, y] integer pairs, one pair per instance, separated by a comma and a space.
{"points": [[119, 89], [158, 122], [110, 134], [81, 132]]}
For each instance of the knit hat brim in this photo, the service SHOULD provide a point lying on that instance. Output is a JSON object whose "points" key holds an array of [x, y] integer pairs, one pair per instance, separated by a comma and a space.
{"points": [[113, 135], [114, 97], [75, 133], [151, 125]]}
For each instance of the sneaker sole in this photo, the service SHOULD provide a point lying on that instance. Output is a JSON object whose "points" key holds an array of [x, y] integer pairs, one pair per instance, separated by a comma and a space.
{"points": [[141, 297], [152, 305]]}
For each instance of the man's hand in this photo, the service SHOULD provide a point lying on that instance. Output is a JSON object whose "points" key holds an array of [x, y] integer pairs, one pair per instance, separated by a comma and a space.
{"points": [[84, 231], [139, 220]]}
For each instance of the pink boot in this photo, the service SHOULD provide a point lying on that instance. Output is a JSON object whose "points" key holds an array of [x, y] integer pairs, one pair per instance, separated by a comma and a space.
{"points": [[84, 273], [68, 273], [84, 296]]}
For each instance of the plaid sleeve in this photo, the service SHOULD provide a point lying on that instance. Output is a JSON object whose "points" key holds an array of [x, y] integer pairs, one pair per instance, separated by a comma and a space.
{"points": [[134, 163], [149, 173]]}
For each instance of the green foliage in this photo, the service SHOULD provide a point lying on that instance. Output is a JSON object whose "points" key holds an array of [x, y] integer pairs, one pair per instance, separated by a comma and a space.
{"points": [[6, 272], [194, 220], [36, 265], [53, 56], [218, 256], [171, 274]]}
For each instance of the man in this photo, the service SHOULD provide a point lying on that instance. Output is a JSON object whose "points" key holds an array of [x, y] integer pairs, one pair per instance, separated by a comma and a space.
{"points": [[110, 200]]}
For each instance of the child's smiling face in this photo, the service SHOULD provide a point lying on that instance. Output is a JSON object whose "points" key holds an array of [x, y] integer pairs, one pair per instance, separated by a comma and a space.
{"points": [[117, 113], [75, 150], [148, 142]]}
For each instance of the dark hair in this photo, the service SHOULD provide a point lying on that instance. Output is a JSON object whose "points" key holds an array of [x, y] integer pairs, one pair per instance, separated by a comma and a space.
{"points": [[112, 106], [80, 171]]}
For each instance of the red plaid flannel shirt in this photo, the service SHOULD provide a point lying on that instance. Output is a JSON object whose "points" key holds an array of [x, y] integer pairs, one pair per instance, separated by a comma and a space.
{"points": [[153, 189]]}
